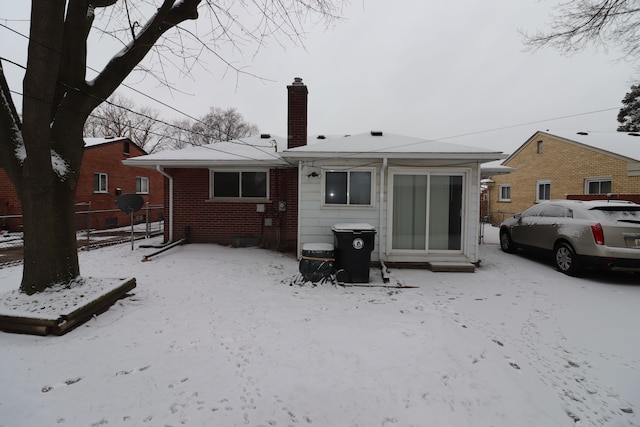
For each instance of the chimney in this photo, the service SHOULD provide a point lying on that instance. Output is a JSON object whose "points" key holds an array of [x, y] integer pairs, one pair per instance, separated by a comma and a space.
{"points": [[297, 114]]}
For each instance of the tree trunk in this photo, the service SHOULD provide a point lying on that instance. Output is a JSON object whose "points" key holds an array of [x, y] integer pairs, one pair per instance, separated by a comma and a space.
{"points": [[50, 250]]}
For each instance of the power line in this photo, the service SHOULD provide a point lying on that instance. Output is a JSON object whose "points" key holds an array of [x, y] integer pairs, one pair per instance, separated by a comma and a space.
{"points": [[234, 140], [240, 142]]}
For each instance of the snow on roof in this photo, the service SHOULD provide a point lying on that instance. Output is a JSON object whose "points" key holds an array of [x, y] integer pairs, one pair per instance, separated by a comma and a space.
{"points": [[621, 143], [495, 168], [379, 144], [260, 150], [257, 149]]}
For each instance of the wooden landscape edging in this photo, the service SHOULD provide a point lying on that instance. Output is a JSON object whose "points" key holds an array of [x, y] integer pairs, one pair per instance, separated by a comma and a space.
{"points": [[69, 321]]}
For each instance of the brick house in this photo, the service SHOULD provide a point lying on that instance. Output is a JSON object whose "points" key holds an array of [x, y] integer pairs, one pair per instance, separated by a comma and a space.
{"points": [[102, 179], [421, 196], [567, 165]]}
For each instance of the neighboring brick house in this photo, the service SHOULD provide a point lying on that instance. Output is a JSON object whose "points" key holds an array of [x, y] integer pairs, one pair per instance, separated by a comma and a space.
{"points": [[567, 165], [103, 178]]}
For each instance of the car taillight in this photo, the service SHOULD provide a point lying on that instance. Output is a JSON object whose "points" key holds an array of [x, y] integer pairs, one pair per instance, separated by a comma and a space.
{"points": [[598, 233]]}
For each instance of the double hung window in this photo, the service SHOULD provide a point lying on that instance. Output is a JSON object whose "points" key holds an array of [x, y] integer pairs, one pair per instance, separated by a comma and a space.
{"points": [[543, 190], [142, 185], [100, 183], [505, 193]]}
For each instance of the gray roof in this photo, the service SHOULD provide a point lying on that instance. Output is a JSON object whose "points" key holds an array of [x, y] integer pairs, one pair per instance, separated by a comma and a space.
{"points": [[257, 150], [378, 145], [271, 151]]}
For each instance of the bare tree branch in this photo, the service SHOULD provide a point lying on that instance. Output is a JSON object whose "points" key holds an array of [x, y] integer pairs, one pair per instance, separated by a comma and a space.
{"points": [[579, 23]]}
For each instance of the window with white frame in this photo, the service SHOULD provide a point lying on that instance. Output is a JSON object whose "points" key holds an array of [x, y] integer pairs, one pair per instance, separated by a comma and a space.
{"points": [[597, 185], [504, 194], [348, 187], [142, 185], [543, 190], [239, 184], [100, 183]]}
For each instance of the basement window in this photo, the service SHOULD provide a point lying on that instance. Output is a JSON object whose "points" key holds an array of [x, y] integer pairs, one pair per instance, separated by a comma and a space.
{"points": [[597, 185], [239, 184]]}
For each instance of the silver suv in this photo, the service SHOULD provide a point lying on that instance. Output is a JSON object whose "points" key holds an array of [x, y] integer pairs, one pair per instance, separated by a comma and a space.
{"points": [[596, 233]]}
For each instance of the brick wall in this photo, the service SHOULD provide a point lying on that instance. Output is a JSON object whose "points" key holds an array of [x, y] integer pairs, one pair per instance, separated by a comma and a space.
{"points": [[233, 221], [297, 114], [9, 203], [105, 158], [565, 164]]}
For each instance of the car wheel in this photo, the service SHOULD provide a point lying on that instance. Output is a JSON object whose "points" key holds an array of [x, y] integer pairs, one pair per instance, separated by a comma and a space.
{"points": [[566, 259], [506, 244]]}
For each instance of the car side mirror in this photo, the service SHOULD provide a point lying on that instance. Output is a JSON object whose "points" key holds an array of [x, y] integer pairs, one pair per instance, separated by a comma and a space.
{"points": [[518, 216]]}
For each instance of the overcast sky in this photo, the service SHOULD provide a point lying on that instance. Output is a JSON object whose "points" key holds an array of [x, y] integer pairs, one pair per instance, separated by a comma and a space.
{"points": [[428, 69]]}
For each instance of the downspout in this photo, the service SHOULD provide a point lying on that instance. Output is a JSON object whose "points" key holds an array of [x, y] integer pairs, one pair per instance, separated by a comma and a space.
{"points": [[298, 247], [383, 267], [161, 170]]}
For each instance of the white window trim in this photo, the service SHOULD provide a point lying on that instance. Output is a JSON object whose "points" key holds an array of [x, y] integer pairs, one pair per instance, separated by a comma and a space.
{"points": [[211, 195], [142, 179], [106, 190], [500, 187], [465, 173], [538, 184], [348, 169], [591, 179]]}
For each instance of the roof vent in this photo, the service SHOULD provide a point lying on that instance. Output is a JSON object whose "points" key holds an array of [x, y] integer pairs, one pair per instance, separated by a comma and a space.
{"points": [[265, 136], [583, 133], [634, 134], [376, 133], [321, 137]]}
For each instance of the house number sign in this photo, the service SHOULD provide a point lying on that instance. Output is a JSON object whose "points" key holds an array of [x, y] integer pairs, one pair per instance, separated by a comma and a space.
{"points": [[358, 243]]}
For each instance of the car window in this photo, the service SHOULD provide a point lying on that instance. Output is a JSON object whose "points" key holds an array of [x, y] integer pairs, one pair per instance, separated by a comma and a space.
{"points": [[617, 213], [534, 211], [554, 211]]}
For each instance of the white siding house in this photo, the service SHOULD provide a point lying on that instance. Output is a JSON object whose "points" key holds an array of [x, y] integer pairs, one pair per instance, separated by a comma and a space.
{"points": [[422, 196]]}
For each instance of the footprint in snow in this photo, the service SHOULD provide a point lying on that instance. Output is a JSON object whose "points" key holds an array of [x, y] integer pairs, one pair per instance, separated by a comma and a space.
{"points": [[70, 381], [133, 371]]}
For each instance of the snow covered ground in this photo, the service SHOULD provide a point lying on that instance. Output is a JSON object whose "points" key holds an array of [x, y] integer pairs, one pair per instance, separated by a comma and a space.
{"points": [[215, 336]]}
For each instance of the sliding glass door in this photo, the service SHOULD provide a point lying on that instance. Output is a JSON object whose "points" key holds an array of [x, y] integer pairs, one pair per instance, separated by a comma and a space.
{"points": [[427, 211], [409, 211]]}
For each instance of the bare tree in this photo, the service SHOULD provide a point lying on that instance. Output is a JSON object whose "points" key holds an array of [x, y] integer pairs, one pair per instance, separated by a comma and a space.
{"points": [[42, 152], [221, 125], [120, 116], [578, 23], [176, 135]]}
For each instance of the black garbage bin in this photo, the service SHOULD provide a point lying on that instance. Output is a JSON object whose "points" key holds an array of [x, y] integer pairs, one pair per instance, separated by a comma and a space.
{"points": [[317, 261], [353, 243]]}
